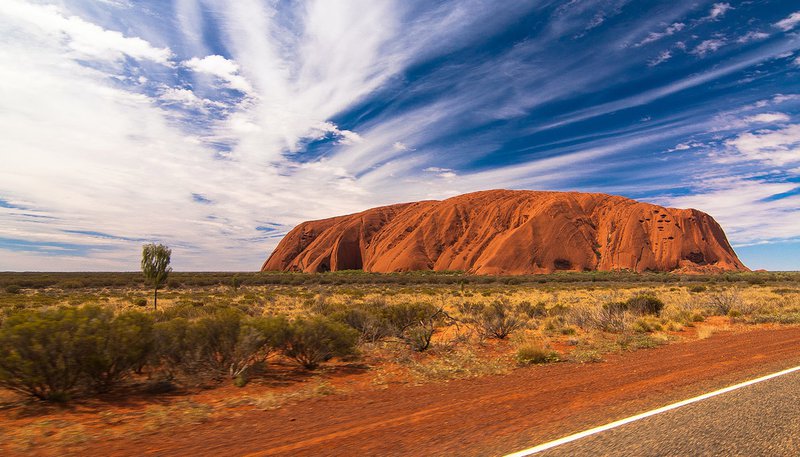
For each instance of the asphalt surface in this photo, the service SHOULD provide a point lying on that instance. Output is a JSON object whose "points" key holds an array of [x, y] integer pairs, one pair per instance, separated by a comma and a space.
{"points": [[758, 420]]}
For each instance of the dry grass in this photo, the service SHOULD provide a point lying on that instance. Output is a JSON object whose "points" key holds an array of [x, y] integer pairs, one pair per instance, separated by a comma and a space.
{"points": [[274, 400], [457, 363]]}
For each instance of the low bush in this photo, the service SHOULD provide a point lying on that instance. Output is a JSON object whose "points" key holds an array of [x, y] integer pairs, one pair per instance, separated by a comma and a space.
{"points": [[498, 320], [369, 319], [13, 289], [225, 342], [315, 340], [643, 304], [53, 354], [537, 311], [530, 354], [697, 288], [40, 354], [115, 346], [413, 323], [176, 349], [257, 339], [724, 301], [611, 317]]}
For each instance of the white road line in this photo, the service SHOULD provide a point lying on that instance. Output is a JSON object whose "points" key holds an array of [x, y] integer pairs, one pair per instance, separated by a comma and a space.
{"points": [[602, 428]]}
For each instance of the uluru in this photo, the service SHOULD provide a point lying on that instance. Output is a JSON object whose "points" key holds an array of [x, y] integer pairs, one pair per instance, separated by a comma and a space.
{"points": [[511, 232]]}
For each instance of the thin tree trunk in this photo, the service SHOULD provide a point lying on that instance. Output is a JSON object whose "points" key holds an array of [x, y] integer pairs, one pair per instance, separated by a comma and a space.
{"points": [[155, 299]]}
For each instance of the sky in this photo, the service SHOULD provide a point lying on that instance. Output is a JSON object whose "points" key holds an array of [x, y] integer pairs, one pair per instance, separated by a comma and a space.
{"points": [[215, 126]]}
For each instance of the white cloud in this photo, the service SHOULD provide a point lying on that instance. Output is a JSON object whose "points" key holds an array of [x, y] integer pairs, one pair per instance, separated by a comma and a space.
{"points": [[752, 36], [345, 137], [781, 98], [718, 10], [735, 119], [789, 22], [186, 98], [767, 118], [222, 68], [444, 173], [83, 39], [400, 146], [671, 29], [708, 46], [779, 147], [662, 57], [745, 209], [686, 146]]}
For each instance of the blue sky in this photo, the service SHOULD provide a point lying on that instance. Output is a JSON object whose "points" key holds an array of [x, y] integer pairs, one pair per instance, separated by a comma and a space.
{"points": [[216, 126]]}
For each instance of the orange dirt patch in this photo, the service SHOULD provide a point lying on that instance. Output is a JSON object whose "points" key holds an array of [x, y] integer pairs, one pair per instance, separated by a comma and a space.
{"points": [[488, 415]]}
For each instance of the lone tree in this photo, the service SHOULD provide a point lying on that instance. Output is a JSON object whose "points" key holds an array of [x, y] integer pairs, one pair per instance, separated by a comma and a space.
{"points": [[155, 266]]}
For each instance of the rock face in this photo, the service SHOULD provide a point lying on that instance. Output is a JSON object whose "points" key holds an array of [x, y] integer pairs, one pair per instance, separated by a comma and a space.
{"points": [[511, 232]]}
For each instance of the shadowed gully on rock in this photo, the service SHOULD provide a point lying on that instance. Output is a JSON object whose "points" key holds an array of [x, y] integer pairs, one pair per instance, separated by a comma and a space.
{"points": [[511, 232]]}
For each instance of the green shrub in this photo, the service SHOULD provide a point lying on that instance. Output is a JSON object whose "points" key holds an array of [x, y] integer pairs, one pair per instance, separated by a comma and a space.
{"points": [[315, 340], [722, 302], [370, 319], [141, 302], [13, 289], [258, 338], [176, 348], [645, 304], [414, 323], [697, 288], [530, 354], [115, 346], [40, 353], [539, 310], [225, 342], [611, 317], [497, 320], [52, 354]]}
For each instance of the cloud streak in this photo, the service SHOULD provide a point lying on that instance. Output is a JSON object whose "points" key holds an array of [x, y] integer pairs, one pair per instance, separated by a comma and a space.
{"points": [[216, 126]]}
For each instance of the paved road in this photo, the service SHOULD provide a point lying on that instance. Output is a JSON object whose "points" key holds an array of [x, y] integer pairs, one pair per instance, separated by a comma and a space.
{"points": [[758, 420]]}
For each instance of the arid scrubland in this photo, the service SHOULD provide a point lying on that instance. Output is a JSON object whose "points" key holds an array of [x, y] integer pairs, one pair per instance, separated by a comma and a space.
{"points": [[219, 343]]}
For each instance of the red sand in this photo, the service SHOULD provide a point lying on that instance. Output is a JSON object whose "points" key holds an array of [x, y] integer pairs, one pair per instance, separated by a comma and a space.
{"points": [[484, 416]]}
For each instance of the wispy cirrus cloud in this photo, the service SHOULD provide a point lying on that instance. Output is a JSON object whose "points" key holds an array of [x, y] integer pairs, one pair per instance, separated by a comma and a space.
{"points": [[670, 30], [215, 126]]}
